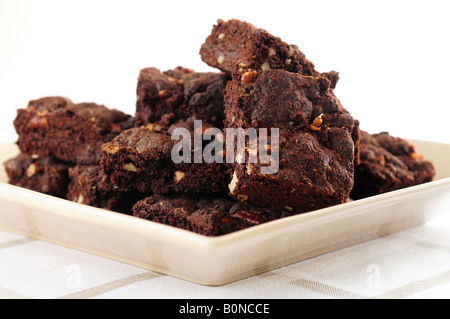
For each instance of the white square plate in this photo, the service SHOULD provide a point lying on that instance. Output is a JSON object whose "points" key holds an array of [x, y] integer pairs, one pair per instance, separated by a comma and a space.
{"points": [[221, 260]]}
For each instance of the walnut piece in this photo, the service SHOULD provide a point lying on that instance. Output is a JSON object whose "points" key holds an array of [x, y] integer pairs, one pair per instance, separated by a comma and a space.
{"points": [[382, 160], [265, 66], [115, 127], [416, 156], [233, 184], [153, 127], [248, 77], [130, 167], [178, 176], [79, 199], [161, 93], [32, 170], [110, 149], [242, 197]]}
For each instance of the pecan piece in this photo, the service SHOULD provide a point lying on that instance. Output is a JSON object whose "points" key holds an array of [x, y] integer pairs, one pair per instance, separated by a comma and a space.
{"points": [[248, 77], [251, 217]]}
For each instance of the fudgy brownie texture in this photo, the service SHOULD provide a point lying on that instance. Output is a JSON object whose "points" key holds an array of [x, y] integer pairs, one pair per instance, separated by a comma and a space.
{"points": [[316, 141], [210, 216], [178, 94], [236, 46], [85, 187], [141, 158], [388, 163], [54, 126], [44, 174]]}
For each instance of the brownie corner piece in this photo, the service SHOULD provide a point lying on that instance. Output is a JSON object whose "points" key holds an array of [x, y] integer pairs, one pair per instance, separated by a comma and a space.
{"points": [[43, 174], [236, 46], [388, 163], [56, 127]]}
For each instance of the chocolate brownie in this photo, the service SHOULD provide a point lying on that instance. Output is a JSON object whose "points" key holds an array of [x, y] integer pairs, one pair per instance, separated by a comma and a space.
{"points": [[388, 163], [236, 46], [54, 126], [316, 146], [203, 93], [43, 174], [85, 187], [179, 94], [210, 216], [141, 158]]}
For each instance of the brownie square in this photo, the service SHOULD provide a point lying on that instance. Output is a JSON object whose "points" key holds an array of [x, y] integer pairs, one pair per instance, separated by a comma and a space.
{"points": [[179, 94], [56, 127], [141, 158], [46, 175], [236, 46], [85, 187], [316, 145], [209, 216], [388, 163]]}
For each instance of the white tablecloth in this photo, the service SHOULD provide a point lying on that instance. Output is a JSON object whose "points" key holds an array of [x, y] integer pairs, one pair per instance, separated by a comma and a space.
{"points": [[411, 264]]}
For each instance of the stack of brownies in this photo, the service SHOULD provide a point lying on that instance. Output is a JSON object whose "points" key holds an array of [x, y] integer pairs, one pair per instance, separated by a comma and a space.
{"points": [[104, 158]]}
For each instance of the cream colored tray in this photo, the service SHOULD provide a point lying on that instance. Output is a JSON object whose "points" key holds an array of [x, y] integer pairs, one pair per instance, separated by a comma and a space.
{"points": [[221, 260]]}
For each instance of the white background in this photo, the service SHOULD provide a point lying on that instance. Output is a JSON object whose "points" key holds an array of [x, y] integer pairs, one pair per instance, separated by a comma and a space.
{"points": [[393, 56]]}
